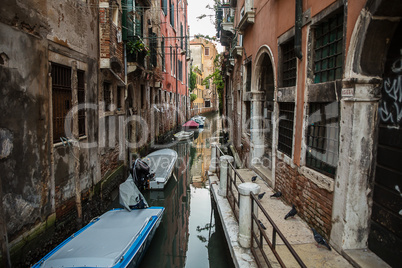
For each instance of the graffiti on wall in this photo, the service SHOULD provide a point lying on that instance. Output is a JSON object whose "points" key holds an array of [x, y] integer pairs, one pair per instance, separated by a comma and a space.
{"points": [[390, 110]]}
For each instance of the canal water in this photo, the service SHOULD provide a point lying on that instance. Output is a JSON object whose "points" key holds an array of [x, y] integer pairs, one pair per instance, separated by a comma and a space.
{"points": [[190, 234]]}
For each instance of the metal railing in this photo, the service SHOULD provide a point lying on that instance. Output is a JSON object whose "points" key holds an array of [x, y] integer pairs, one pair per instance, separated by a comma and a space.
{"points": [[233, 195], [258, 241]]}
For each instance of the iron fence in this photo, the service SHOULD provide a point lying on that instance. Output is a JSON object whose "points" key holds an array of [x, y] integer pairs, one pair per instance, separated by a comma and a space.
{"points": [[262, 245]]}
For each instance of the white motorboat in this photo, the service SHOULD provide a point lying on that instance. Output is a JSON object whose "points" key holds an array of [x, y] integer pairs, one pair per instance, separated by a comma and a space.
{"points": [[161, 164], [183, 135]]}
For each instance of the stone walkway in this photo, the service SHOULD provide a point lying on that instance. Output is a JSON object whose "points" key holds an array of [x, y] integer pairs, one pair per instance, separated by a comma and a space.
{"points": [[295, 230]]}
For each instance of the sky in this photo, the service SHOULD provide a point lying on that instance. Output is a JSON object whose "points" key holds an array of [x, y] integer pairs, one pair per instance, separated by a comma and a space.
{"points": [[204, 26]]}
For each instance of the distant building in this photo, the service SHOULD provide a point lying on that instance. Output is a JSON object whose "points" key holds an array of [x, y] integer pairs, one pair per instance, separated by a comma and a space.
{"points": [[204, 53], [313, 104]]}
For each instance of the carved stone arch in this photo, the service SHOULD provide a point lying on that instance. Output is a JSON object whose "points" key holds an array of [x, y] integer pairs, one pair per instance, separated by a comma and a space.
{"points": [[263, 84]]}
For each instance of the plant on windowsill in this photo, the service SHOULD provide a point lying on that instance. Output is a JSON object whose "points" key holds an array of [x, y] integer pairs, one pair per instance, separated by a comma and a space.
{"points": [[137, 46]]}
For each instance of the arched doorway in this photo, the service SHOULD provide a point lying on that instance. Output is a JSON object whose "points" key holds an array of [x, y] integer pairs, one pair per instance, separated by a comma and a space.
{"points": [[385, 237], [263, 88], [367, 203]]}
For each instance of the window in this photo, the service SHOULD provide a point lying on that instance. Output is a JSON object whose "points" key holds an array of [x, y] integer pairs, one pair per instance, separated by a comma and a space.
{"points": [[207, 51], [163, 53], [288, 64], [174, 62], [61, 98], [181, 36], [180, 74], [139, 23], [143, 97], [171, 60], [153, 43], [248, 81], [120, 97], [285, 138], [171, 13], [107, 96], [81, 100], [328, 47], [164, 6], [323, 137], [207, 103]]}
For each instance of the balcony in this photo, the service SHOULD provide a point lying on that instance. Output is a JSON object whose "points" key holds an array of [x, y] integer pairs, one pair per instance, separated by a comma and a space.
{"points": [[238, 51], [247, 16]]}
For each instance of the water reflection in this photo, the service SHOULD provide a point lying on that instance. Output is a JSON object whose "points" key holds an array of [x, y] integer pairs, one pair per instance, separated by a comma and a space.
{"points": [[188, 235]]}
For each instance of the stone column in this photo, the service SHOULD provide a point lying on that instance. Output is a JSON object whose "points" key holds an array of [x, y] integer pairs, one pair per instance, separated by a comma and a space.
{"points": [[224, 160], [353, 184], [256, 126], [213, 163], [245, 220]]}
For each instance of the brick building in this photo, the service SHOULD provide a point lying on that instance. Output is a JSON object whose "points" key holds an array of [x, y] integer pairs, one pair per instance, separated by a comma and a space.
{"points": [[313, 102]]}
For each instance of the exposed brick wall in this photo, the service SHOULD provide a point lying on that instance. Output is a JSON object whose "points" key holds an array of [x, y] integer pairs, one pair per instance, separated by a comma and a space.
{"points": [[314, 205]]}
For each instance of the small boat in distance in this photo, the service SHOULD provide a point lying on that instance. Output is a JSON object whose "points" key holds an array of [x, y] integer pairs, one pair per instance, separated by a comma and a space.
{"points": [[199, 121], [191, 125], [183, 135], [161, 163]]}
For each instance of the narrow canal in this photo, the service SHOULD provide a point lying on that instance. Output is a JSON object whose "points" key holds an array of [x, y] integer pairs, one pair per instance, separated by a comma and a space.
{"points": [[190, 234]]}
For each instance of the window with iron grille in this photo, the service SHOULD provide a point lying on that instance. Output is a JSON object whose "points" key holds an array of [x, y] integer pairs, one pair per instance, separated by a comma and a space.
{"points": [[81, 100], [107, 96], [288, 64], [285, 137], [323, 137], [328, 49], [61, 98]]}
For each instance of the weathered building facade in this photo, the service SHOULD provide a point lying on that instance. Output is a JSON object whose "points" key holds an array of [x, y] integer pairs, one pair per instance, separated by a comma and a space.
{"points": [[314, 87], [83, 89], [49, 69]]}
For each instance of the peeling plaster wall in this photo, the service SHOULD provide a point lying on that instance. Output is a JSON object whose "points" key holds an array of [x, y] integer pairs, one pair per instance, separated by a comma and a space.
{"points": [[36, 177]]}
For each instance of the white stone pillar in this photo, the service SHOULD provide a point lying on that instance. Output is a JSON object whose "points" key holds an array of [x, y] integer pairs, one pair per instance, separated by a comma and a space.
{"points": [[224, 166], [245, 219], [214, 162], [256, 127]]}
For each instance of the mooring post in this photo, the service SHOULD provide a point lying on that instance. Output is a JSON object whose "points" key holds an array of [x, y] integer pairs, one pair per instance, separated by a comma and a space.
{"points": [[223, 181], [212, 165], [245, 219]]}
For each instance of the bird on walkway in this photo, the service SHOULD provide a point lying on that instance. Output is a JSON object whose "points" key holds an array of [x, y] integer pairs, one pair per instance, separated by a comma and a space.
{"points": [[277, 194], [262, 225], [291, 213], [260, 196], [319, 239], [254, 178]]}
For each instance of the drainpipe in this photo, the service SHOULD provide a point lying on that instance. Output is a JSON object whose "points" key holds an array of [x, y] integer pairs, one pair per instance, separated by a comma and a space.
{"points": [[298, 26]]}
